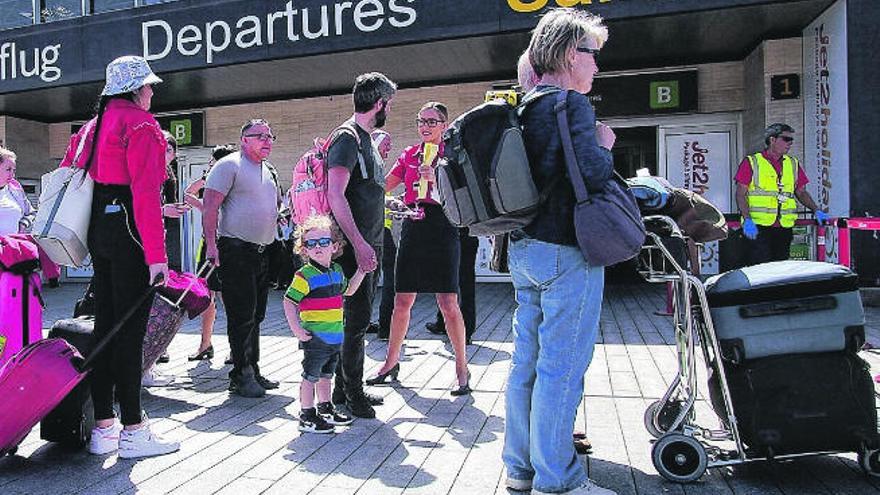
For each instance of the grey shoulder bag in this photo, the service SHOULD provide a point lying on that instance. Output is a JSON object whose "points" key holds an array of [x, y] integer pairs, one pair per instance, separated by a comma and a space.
{"points": [[608, 224]]}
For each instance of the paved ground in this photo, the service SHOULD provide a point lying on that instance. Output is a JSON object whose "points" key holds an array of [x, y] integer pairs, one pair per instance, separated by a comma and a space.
{"points": [[424, 441]]}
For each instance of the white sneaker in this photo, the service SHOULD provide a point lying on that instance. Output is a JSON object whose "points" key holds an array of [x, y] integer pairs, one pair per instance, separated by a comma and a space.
{"points": [[105, 440], [144, 443], [588, 488], [152, 378]]}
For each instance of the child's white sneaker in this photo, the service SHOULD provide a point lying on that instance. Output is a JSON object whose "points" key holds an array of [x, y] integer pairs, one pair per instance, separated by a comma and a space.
{"points": [[144, 443], [105, 440]]}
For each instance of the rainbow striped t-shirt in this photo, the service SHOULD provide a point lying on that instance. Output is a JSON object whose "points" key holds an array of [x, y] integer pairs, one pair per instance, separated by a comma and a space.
{"points": [[318, 291]]}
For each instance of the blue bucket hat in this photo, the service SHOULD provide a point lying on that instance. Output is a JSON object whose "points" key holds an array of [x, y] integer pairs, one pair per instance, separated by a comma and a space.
{"points": [[126, 74]]}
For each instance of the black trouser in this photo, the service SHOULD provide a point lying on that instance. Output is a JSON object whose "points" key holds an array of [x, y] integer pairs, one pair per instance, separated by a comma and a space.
{"points": [[467, 283], [772, 244], [121, 277], [358, 309], [289, 262], [244, 271], [386, 306]]}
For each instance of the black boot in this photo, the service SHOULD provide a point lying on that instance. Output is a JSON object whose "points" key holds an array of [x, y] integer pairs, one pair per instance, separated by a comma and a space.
{"points": [[246, 385]]}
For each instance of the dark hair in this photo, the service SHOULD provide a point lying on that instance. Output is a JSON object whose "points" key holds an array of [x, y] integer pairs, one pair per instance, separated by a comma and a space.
{"points": [[775, 130], [222, 150], [436, 106], [254, 122], [171, 166], [170, 138], [369, 88], [100, 106]]}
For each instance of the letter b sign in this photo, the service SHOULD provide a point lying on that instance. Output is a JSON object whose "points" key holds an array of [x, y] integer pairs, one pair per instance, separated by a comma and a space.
{"points": [[182, 131], [664, 94]]}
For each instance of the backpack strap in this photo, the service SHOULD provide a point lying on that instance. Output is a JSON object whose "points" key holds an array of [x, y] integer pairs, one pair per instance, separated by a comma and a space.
{"points": [[530, 98], [348, 128], [279, 193], [533, 96]]}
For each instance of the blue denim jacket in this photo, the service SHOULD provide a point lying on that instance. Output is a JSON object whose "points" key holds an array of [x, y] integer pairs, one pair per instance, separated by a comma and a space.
{"points": [[555, 220]]}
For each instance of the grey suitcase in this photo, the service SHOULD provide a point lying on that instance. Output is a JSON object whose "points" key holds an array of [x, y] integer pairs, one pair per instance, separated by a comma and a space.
{"points": [[786, 307]]}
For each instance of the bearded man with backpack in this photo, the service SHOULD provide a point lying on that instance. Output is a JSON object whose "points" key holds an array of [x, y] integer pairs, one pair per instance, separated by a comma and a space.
{"points": [[355, 193]]}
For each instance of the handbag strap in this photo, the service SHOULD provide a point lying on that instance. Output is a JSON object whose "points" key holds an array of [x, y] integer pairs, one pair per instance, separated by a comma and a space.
{"points": [[82, 142], [574, 172]]}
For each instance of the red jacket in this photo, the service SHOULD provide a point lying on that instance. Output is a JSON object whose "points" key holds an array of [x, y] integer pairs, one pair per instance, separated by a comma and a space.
{"points": [[130, 152], [407, 170]]}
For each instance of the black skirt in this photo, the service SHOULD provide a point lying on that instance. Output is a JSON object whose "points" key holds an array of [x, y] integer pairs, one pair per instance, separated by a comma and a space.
{"points": [[214, 280], [428, 254]]}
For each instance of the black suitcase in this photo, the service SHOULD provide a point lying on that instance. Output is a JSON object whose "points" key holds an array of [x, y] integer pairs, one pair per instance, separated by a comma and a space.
{"points": [[801, 403], [71, 423]]}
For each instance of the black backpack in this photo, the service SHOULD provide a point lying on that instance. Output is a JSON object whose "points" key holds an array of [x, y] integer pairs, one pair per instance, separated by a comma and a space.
{"points": [[484, 179]]}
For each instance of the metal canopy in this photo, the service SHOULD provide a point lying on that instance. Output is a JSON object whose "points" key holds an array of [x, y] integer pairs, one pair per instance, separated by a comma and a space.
{"points": [[636, 43]]}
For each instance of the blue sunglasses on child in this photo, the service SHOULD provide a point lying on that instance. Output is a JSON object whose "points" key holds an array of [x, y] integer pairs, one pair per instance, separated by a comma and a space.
{"points": [[323, 242]]}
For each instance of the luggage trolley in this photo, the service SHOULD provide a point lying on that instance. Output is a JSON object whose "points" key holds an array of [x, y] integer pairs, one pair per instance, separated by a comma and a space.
{"points": [[683, 449]]}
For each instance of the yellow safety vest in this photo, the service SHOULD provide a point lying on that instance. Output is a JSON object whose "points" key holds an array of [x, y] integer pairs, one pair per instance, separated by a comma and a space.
{"points": [[388, 215], [771, 196]]}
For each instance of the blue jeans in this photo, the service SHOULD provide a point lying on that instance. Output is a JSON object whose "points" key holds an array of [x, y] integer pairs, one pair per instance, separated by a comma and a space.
{"points": [[559, 299]]}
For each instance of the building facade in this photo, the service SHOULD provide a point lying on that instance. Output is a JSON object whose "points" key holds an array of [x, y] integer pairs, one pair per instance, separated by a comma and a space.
{"points": [[688, 85]]}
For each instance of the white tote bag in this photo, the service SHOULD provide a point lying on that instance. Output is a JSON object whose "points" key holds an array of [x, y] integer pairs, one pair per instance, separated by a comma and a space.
{"points": [[62, 223]]}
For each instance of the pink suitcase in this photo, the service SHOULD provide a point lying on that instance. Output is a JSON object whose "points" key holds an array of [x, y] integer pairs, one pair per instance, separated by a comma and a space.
{"points": [[32, 383], [36, 379], [21, 312]]}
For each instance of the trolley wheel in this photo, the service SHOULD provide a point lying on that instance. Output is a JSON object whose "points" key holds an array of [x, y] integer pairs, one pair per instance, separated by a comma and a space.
{"points": [[668, 412], [679, 458], [84, 434], [869, 460]]}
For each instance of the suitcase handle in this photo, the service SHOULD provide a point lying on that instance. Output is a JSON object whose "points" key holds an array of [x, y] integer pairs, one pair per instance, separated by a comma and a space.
{"points": [[87, 364], [821, 303]]}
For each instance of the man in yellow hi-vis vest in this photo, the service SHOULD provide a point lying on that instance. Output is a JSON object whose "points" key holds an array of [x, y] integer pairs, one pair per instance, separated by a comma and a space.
{"points": [[767, 184]]}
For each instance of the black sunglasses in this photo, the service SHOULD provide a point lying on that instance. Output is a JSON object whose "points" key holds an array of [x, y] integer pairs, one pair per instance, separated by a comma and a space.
{"points": [[585, 49], [787, 139], [323, 242]]}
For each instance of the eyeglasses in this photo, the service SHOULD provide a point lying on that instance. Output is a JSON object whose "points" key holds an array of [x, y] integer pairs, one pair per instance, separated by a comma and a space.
{"points": [[429, 122], [585, 49], [323, 242], [261, 137], [787, 139]]}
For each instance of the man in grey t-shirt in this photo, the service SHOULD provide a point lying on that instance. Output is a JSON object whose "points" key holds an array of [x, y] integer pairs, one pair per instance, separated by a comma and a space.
{"points": [[242, 190]]}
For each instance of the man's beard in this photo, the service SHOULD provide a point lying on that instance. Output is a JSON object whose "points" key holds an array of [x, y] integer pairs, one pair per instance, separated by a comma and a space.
{"points": [[381, 116]]}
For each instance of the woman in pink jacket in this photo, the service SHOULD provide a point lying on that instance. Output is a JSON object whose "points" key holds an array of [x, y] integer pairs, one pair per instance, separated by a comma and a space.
{"points": [[127, 243]]}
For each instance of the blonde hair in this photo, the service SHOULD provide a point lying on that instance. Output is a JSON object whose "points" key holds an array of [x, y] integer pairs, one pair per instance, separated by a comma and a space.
{"points": [[7, 154], [559, 32], [317, 222]]}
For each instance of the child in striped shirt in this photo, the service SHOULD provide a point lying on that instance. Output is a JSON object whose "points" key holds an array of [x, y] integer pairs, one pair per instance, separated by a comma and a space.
{"points": [[313, 305]]}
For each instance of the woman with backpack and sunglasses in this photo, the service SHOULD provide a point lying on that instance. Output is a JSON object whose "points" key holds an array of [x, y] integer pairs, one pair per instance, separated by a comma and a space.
{"points": [[558, 294], [429, 252], [126, 159]]}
